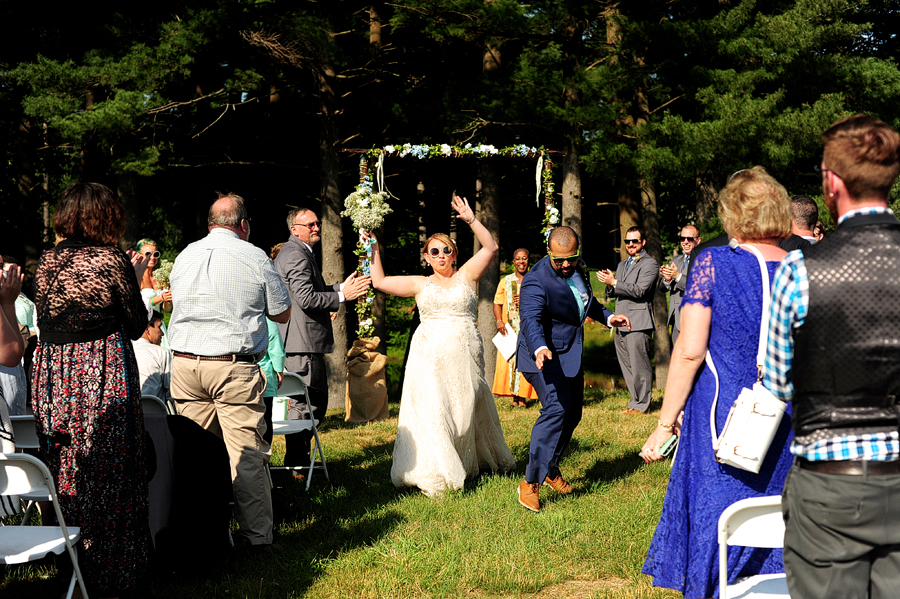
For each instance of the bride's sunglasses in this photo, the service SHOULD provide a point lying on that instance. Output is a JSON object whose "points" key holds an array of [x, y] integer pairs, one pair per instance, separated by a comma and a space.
{"points": [[436, 252], [152, 255]]}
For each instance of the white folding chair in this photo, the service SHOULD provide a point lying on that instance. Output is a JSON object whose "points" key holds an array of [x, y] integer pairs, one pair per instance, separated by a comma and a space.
{"points": [[151, 404], [753, 522], [27, 439], [292, 385], [21, 474]]}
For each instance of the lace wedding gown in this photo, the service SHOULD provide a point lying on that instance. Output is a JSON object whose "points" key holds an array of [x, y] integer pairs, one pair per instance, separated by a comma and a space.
{"points": [[448, 428]]}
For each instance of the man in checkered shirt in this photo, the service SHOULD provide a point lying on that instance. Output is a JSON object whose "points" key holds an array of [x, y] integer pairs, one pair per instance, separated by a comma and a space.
{"points": [[834, 351]]}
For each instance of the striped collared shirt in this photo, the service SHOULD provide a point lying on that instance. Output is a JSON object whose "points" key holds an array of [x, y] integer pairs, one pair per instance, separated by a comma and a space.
{"points": [[222, 289], [787, 312]]}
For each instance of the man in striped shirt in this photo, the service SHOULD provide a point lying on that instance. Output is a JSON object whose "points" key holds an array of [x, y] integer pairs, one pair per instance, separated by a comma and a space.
{"points": [[834, 351]]}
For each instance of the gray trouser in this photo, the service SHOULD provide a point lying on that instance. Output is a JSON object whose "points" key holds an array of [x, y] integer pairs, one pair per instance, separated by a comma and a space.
{"points": [[842, 535], [633, 351]]}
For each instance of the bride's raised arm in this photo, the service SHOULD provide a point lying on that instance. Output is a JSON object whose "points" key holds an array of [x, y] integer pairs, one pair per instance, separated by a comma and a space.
{"points": [[477, 264], [401, 286]]}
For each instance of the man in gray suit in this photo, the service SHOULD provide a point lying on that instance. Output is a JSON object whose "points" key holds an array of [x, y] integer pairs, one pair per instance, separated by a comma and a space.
{"points": [[633, 285], [673, 277], [308, 335]]}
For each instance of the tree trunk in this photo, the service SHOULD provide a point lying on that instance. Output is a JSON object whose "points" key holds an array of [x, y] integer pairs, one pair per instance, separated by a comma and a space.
{"points": [[487, 286], [629, 213], [571, 187], [127, 191], [662, 347], [332, 237]]}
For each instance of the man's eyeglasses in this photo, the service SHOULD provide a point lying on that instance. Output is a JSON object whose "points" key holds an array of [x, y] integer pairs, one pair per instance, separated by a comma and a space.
{"points": [[634, 241], [821, 171], [558, 260], [310, 226], [686, 239], [151, 254], [437, 252]]}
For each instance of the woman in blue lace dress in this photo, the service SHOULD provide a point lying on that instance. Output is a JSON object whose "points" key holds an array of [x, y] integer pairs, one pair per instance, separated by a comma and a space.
{"points": [[721, 312]]}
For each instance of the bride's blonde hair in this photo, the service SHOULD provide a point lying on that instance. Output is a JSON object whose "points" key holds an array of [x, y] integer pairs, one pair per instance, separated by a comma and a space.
{"points": [[443, 238]]}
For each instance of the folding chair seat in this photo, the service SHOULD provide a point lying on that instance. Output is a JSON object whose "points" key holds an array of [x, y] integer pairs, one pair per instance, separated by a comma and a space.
{"points": [[753, 522], [27, 441], [292, 385], [22, 474]]}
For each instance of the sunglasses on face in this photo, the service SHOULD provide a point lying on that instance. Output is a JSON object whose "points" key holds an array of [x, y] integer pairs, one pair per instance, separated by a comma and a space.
{"points": [[634, 241], [687, 238], [310, 226], [558, 260], [436, 252], [151, 254]]}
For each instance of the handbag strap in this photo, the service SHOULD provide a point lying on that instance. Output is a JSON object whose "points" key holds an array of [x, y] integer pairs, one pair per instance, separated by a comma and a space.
{"points": [[761, 348]]}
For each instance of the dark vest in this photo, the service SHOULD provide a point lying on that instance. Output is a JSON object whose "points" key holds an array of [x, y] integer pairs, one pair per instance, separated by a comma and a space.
{"points": [[846, 366]]}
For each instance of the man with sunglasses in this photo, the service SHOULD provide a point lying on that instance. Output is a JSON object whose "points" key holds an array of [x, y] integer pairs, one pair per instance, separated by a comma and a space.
{"points": [[555, 298], [673, 277], [308, 335], [632, 286]]}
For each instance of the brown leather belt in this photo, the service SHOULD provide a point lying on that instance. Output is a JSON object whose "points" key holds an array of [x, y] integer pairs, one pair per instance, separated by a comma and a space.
{"points": [[852, 467], [229, 358]]}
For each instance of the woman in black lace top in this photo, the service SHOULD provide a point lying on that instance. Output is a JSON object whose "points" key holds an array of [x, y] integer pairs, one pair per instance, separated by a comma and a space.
{"points": [[87, 397]]}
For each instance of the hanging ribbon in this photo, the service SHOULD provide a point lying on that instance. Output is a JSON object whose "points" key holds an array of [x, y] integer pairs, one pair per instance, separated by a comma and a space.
{"points": [[537, 179], [379, 171]]}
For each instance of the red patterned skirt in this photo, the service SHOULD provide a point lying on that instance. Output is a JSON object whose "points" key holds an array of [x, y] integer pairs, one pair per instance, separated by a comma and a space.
{"points": [[87, 404]]}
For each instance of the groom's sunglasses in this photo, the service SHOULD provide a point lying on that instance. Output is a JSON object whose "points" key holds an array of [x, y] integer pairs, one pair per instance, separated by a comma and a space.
{"points": [[436, 252], [559, 260]]}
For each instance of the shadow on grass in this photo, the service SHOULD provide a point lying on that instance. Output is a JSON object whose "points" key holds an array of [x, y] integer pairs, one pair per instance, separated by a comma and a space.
{"points": [[607, 471]]}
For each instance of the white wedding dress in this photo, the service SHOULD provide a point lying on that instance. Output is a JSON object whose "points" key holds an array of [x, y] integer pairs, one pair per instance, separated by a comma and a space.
{"points": [[448, 428]]}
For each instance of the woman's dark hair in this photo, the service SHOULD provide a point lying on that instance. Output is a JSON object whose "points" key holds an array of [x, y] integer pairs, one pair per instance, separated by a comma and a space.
{"points": [[89, 212]]}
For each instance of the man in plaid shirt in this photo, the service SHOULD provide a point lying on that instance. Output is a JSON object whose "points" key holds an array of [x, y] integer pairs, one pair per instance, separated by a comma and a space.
{"points": [[834, 351]]}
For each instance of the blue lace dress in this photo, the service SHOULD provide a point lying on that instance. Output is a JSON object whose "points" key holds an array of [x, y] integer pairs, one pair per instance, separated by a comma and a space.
{"points": [[683, 554]]}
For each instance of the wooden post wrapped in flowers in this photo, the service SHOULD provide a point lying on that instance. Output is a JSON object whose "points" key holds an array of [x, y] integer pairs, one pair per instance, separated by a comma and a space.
{"points": [[366, 396]]}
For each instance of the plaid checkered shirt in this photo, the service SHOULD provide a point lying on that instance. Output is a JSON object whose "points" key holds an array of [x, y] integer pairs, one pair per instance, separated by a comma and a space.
{"points": [[787, 312]]}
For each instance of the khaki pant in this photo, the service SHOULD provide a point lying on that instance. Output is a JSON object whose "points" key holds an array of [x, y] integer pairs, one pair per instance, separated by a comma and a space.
{"points": [[225, 398]]}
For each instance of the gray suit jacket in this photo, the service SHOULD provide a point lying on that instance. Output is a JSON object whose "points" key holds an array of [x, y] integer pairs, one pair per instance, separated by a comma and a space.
{"points": [[309, 329], [634, 291], [676, 291]]}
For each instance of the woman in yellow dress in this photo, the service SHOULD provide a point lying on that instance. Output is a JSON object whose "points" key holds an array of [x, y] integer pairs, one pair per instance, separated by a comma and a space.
{"points": [[507, 380]]}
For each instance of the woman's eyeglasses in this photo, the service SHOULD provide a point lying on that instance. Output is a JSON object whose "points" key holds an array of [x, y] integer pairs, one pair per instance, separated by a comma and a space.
{"points": [[436, 252], [151, 254]]}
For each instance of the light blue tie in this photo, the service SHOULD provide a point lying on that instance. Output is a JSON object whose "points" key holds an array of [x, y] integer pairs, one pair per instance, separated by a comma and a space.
{"points": [[578, 299]]}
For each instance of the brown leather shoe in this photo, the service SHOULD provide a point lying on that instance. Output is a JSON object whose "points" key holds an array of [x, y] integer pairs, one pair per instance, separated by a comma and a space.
{"points": [[631, 411], [299, 476], [528, 496], [559, 484]]}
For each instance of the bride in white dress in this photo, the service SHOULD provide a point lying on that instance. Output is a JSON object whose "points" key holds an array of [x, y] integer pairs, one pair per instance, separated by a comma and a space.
{"points": [[448, 429]]}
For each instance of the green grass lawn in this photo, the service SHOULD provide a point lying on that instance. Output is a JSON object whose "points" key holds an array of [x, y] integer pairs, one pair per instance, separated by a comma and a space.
{"points": [[361, 537]]}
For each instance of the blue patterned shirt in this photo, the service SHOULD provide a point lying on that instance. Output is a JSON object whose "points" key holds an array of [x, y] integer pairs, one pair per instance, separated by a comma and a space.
{"points": [[787, 312], [222, 290]]}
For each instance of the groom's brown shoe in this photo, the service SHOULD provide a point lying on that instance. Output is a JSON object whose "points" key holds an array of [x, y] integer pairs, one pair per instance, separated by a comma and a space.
{"points": [[559, 484], [528, 496]]}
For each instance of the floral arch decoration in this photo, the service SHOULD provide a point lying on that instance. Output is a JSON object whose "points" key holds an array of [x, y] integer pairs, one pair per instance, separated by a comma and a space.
{"points": [[367, 207]]}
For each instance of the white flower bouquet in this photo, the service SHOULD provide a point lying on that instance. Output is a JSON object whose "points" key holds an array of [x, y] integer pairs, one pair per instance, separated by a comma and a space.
{"points": [[162, 272], [366, 208]]}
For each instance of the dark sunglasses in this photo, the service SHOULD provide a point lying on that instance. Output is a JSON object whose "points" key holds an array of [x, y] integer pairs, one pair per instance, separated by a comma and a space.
{"points": [[436, 252], [630, 241], [151, 254], [686, 239], [310, 226]]}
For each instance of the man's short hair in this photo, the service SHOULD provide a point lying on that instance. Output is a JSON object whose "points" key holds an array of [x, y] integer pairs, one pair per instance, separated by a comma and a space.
{"points": [[563, 237], [293, 214], [804, 212], [694, 227], [227, 217], [863, 152], [156, 317], [640, 230]]}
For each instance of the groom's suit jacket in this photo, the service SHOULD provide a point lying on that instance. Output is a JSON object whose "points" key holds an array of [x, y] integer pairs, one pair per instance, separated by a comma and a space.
{"points": [[550, 317], [309, 329]]}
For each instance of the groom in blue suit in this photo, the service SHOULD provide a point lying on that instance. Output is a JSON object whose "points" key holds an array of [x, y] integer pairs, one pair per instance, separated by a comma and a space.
{"points": [[555, 298]]}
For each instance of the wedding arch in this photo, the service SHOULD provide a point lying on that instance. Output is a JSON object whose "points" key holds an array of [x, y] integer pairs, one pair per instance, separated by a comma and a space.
{"points": [[367, 207]]}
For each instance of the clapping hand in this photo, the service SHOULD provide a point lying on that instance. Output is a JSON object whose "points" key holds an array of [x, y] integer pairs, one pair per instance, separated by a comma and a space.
{"points": [[355, 285], [607, 277], [11, 284]]}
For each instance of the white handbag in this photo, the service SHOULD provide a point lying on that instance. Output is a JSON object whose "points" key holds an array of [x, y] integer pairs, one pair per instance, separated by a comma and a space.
{"points": [[756, 413]]}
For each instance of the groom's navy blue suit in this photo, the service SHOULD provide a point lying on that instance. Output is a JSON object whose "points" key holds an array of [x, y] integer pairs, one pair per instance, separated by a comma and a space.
{"points": [[550, 317]]}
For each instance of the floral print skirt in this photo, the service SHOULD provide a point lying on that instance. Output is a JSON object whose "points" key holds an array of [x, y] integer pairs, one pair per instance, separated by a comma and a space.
{"points": [[87, 404]]}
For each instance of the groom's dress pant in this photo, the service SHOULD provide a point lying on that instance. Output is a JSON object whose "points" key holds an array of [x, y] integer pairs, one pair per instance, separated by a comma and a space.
{"points": [[562, 401]]}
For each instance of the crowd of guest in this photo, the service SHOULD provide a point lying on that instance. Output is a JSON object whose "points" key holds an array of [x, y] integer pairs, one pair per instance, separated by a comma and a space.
{"points": [[94, 341]]}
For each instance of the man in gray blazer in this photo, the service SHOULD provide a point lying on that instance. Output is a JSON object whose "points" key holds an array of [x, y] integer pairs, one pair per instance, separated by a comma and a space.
{"points": [[633, 285], [673, 277], [308, 335]]}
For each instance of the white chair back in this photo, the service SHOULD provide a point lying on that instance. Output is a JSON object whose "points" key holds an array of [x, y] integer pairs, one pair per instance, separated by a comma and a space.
{"points": [[291, 385], [151, 404], [753, 522], [24, 431]]}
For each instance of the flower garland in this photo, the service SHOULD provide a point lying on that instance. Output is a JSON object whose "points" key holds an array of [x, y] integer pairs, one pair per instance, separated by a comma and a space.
{"points": [[447, 151]]}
